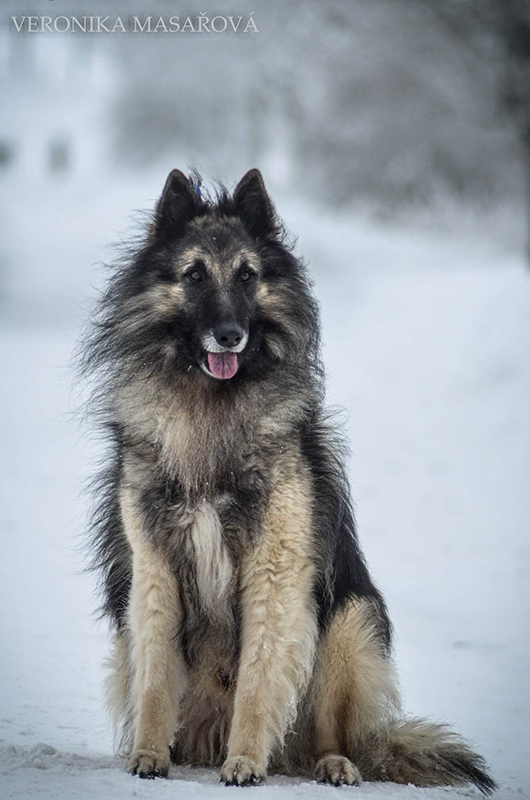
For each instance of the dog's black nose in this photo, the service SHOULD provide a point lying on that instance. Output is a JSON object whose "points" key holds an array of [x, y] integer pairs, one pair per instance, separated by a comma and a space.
{"points": [[228, 334]]}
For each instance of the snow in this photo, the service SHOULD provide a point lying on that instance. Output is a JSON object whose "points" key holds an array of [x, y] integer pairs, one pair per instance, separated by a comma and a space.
{"points": [[426, 345]]}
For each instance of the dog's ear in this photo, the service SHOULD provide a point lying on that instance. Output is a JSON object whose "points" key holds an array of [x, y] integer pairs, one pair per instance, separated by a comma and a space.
{"points": [[176, 206], [254, 206]]}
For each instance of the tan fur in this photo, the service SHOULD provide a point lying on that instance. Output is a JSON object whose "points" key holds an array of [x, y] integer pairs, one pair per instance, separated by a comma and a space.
{"points": [[214, 567], [276, 308], [192, 438], [337, 770], [217, 266], [355, 687], [153, 618], [156, 302], [118, 684], [410, 750], [279, 629]]}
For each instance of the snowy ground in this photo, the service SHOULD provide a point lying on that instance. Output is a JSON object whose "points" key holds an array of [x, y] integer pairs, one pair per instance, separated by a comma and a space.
{"points": [[427, 340]]}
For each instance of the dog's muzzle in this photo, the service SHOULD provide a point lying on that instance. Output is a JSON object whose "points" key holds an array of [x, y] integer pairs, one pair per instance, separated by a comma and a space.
{"points": [[221, 358]]}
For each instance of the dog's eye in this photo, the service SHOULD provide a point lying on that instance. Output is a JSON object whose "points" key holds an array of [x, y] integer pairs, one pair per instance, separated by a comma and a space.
{"points": [[245, 273], [196, 272]]}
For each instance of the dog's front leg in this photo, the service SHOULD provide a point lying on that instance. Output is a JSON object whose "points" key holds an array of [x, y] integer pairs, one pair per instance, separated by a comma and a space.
{"points": [[154, 617], [278, 632]]}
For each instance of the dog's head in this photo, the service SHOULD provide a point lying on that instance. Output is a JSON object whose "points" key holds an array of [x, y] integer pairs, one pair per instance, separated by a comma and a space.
{"points": [[215, 292]]}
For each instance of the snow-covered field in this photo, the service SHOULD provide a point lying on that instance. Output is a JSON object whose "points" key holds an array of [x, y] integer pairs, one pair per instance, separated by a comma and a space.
{"points": [[427, 339]]}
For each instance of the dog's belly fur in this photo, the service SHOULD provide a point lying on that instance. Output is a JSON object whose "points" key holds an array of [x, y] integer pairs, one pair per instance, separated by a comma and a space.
{"points": [[206, 707]]}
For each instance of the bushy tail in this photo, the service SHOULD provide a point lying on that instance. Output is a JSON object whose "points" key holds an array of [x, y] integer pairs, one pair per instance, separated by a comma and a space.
{"points": [[422, 753]]}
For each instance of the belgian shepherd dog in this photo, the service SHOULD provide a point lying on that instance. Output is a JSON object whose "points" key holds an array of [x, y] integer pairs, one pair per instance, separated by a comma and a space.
{"points": [[247, 632]]}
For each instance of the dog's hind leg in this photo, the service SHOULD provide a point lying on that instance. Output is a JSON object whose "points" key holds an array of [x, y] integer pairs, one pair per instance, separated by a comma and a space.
{"points": [[354, 691], [358, 720], [154, 617]]}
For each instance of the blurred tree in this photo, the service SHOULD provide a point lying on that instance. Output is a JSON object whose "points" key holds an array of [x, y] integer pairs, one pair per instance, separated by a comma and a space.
{"points": [[386, 102], [497, 35], [7, 154], [59, 154], [395, 109], [511, 19]]}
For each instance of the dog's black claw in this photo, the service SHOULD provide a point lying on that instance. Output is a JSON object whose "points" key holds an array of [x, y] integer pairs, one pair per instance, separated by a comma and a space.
{"points": [[151, 774], [241, 771], [254, 780], [250, 782]]}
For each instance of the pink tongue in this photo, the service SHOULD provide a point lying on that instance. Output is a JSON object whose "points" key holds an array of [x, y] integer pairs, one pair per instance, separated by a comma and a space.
{"points": [[222, 365]]}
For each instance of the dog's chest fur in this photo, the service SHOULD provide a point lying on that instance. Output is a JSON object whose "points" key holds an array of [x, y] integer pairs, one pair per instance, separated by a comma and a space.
{"points": [[207, 568], [203, 441], [210, 465], [207, 550]]}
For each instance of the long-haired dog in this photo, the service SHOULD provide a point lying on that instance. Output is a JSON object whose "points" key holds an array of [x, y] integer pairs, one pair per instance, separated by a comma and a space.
{"points": [[247, 630]]}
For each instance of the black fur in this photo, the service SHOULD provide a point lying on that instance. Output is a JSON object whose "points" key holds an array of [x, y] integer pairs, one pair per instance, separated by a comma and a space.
{"points": [[346, 572]]}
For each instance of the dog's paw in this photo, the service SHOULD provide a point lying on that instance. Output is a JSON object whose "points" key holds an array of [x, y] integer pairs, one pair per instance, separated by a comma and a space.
{"points": [[338, 771], [148, 764], [241, 771]]}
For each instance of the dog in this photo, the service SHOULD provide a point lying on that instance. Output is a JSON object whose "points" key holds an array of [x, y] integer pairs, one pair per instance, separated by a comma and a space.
{"points": [[247, 631]]}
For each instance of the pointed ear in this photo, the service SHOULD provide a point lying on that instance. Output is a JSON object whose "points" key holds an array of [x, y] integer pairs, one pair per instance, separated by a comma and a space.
{"points": [[176, 207], [254, 206]]}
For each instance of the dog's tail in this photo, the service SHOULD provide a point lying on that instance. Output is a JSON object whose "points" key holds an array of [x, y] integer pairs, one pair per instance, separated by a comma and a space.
{"points": [[422, 753]]}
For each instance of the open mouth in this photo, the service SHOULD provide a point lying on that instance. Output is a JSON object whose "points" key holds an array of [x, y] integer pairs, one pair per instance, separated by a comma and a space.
{"points": [[222, 365]]}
